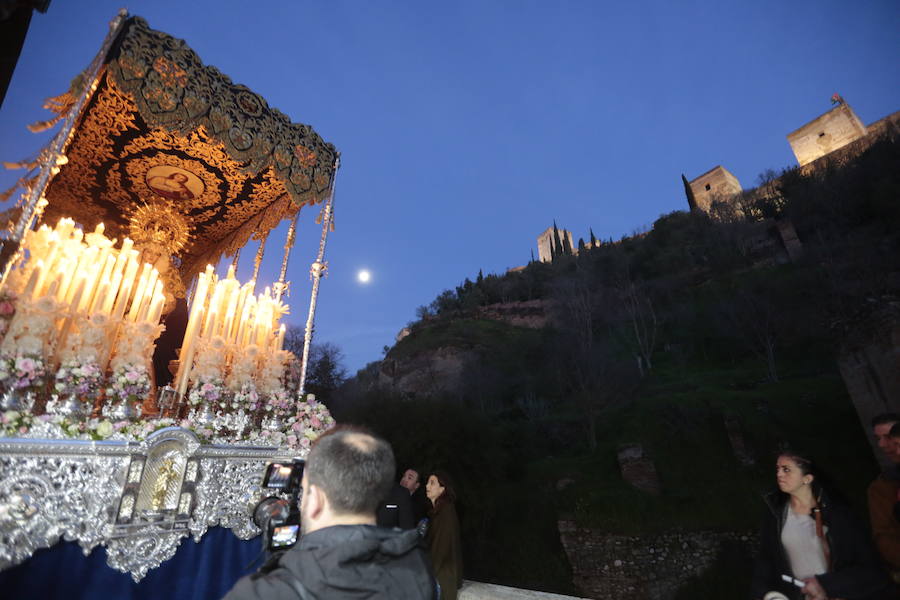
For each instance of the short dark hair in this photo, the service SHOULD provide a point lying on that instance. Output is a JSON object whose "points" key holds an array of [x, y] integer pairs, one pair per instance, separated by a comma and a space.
{"points": [[895, 431], [353, 467], [885, 418]]}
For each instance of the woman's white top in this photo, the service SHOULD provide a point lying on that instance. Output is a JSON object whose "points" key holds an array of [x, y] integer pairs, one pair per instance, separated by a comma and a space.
{"points": [[803, 546]]}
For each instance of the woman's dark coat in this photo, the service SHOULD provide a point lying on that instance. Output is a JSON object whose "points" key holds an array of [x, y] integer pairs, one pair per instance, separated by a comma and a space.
{"points": [[855, 572], [446, 549]]}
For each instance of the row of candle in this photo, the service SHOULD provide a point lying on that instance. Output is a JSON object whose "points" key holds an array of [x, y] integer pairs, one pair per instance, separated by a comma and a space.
{"points": [[227, 309], [88, 275]]}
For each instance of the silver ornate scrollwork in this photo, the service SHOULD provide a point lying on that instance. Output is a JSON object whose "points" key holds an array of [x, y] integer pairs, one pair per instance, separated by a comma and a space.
{"points": [[90, 492], [43, 498], [139, 553], [228, 491]]}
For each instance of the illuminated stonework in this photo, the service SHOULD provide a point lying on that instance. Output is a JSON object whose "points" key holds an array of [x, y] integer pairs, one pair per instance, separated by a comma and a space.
{"points": [[825, 134]]}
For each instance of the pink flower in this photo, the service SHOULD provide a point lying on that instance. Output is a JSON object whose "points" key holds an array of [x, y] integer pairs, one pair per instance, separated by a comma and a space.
{"points": [[132, 376], [6, 308], [315, 422], [297, 426], [292, 440], [304, 442]]}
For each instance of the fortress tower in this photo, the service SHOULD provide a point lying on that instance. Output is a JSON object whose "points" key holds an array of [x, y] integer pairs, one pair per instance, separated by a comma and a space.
{"points": [[545, 243], [827, 133], [716, 184]]}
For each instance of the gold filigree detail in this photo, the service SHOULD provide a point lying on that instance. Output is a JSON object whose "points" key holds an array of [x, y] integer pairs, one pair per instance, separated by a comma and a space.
{"points": [[158, 224], [158, 111]]}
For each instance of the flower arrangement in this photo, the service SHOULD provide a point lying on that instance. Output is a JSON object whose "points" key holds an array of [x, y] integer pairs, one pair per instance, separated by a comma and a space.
{"points": [[278, 403], [78, 378], [129, 382], [247, 398], [14, 422], [208, 389], [21, 372], [311, 420]]}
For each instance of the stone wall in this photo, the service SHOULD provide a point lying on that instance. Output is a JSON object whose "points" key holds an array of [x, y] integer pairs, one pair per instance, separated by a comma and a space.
{"points": [[545, 243], [642, 567], [825, 134], [716, 184], [475, 590]]}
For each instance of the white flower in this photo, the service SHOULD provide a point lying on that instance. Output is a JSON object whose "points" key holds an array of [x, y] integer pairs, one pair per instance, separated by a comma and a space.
{"points": [[104, 429]]}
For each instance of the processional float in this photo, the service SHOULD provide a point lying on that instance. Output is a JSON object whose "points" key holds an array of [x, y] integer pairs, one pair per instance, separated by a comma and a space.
{"points": [[161, 167]]}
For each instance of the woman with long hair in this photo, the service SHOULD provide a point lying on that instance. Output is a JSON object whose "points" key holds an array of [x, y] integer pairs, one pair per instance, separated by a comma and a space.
{"points": [[443, 534], [811, 546]]}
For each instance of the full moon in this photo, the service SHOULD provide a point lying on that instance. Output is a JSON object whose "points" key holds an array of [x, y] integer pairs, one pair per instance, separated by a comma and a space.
{"points": [[363, 276]]}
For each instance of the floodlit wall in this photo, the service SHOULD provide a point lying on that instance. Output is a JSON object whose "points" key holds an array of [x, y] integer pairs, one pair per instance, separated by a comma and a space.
{"points": [[545, 243], [716, 184], [825, 134]]}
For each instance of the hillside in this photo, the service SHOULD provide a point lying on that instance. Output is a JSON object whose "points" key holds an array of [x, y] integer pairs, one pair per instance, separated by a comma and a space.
{"points": [[694, 342]]}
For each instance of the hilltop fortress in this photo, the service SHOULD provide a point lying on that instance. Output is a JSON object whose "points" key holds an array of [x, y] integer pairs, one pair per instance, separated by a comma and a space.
{"points": [[834, 136]]}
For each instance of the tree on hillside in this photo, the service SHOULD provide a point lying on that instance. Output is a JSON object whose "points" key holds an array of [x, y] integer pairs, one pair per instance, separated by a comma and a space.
{"points": [[593, 239], [557, 245], [642, 323], [326, 371], [590, 372], [692, 202], [750, 311]]}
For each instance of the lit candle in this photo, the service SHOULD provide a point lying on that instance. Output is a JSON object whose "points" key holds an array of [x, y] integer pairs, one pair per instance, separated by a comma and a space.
{"points": [[154, 312], [54, 289], [122, 258], [91, 266], [99, 296], [31, 285], [195, 319], [139, 292], [109, 300], [127, 284], [79, 292], [149, 293], [210, 323]]}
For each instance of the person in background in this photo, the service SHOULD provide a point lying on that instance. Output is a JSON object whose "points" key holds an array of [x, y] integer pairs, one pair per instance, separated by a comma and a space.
{"points": [[884, 493], [411, 480], [810, 536], [396, 510], [443, 537]]}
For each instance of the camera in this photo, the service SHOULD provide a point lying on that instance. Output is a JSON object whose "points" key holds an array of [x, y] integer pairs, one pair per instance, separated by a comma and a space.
{"points": [[279, 517]]}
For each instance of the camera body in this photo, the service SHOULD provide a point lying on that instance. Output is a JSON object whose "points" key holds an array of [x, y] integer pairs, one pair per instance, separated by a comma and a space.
{"points": [[277, 517]]}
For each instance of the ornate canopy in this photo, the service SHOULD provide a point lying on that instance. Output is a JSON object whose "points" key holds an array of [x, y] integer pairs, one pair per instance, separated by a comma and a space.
{"points": [[166, 134]]}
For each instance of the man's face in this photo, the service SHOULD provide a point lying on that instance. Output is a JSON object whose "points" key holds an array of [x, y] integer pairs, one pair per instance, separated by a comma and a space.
{"points": [[410, 480], [883, 440]]}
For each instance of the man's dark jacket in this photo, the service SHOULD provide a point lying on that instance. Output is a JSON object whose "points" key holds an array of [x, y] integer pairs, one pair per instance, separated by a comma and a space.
{"points": [[344, 562], [855, 572], [396, 510]]}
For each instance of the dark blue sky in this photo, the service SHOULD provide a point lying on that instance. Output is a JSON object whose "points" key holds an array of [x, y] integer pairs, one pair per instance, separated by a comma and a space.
{"points": [[467, 127]]}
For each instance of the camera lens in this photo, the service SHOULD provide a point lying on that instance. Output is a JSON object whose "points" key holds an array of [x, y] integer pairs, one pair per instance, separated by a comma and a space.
{"points": [[270, 509]]}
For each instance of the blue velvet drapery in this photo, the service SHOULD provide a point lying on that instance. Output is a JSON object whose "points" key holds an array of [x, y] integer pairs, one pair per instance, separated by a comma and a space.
{"points": [[198, 571]]}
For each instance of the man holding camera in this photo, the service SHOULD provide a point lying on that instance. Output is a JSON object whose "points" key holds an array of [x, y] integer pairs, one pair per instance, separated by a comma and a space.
{"points": [[342, 554]]}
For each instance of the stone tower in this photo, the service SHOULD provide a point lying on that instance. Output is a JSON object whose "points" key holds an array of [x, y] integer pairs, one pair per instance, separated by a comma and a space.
{"points": [[825, 134], [716, 184], [545, 243]]}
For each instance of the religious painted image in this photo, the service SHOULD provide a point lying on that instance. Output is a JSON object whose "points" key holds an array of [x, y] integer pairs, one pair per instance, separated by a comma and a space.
{"points": [[174, 183]]}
